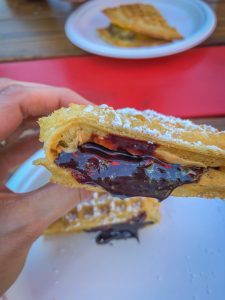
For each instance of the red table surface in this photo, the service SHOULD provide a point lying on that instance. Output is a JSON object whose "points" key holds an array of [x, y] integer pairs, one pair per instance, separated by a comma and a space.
{"points": [[190, 84]]}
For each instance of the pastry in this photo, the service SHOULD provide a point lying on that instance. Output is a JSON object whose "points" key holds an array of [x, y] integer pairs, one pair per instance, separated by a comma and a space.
{"points": [[131, 153], [144, 19], [112, 218], [118, 36]]}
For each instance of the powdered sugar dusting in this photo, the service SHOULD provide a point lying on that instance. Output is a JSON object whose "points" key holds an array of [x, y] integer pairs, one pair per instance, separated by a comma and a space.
{"points": [[166, 120], [129, 111], [102, 119], [117, 120], [170, 128], [104, 106], [89, 108], [160, 127], [127, 124], [183, 124], [212, 147], [110, 209]]}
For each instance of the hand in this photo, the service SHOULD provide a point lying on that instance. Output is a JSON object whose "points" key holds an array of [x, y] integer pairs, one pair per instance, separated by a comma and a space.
{"points": [[23, 217]]}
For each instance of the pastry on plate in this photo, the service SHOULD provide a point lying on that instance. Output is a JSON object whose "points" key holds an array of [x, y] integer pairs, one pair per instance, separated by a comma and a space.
{"points": [[144, 19], [131, 153], [118, 36], [111, 217]]}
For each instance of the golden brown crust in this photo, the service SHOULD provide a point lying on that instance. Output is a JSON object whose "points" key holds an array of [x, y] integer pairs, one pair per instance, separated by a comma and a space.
{"points": [[104, 209], [180, 141], [142, 18], [146, 125]]}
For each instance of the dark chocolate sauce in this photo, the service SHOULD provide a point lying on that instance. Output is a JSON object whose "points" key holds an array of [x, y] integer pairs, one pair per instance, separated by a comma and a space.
{"points": [[119, 143], [106, 234], [127, 175]]}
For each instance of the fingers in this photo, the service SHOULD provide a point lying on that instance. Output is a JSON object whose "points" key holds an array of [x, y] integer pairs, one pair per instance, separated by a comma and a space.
{"points": [[13, 154], [28, 127], [19, 100], [6, 84], [31, 213], [48, 204], [20, 146]]}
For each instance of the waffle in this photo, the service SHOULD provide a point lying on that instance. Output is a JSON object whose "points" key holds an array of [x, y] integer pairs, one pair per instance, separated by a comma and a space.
{"points": [[105, 210], [144, 19], [175, 141], [118, 36]]}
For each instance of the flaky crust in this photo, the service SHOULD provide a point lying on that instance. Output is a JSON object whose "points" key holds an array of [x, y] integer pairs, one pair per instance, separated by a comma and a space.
{"points": [[142, 18], [180, 141]]}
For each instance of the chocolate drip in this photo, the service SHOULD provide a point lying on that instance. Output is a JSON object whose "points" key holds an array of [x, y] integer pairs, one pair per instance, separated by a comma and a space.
{"points": [[126, 175], [106, 234], [125, 167]]}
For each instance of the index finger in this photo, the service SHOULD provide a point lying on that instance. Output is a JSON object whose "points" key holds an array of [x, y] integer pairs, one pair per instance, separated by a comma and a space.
{"points": [[19, 100]]}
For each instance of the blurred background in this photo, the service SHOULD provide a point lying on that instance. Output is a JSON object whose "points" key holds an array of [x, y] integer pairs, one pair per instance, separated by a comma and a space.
{"points": [[35, 28]]}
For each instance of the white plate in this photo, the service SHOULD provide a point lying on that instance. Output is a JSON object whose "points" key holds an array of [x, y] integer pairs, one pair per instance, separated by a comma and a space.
{"points": [[180, 258], [193, 18]]}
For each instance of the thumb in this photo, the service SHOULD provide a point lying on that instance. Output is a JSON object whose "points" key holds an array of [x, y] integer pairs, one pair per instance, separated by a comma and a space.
{"points": [[51, 202], [23, 218]]}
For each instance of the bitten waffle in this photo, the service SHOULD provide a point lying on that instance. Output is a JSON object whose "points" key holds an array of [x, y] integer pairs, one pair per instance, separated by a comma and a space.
{"points": [[95, 147]]}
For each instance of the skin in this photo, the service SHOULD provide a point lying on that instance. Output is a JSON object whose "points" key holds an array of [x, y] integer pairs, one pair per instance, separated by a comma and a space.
{"points": [[24, 217]]}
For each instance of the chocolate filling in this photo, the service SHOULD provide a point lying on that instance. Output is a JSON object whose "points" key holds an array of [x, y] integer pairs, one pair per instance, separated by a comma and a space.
{"points": [[106, 234], [125, 144], [126, 175], [125, 167]]}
